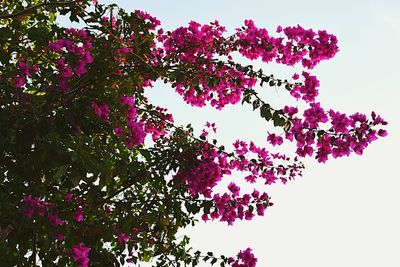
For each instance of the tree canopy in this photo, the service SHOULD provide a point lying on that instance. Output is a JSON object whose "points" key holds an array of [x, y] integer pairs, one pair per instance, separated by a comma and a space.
{"points": [[93, 173]]}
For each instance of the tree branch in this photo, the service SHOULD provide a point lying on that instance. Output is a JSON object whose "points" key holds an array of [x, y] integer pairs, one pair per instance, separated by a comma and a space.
{"points": [[5, 232], [32, 8]]}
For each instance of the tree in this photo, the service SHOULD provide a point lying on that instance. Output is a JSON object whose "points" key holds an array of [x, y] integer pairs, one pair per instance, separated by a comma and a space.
{"points": [[79, 183]]}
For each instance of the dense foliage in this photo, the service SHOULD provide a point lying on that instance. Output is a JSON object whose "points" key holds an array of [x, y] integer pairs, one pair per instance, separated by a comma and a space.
{"points": [[93, 173]]}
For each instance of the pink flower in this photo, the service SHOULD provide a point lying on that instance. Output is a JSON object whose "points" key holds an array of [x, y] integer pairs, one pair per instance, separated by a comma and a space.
{"points": [[119, 131], [23, 67], [68, 197], [78, 215], [382, 133], [246, 258], [59, 237], [123, 238], [54, 220], [29, 205], [19, 82], [136, 134], [248, 215], [102, 111], [35, 69], [127, 100], [205, 217], [234, 189], [80, 254], [260, 209], [274, 140]]}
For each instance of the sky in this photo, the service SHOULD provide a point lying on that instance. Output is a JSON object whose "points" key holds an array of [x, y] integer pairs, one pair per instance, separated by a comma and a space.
{"points": [[344, 212]]}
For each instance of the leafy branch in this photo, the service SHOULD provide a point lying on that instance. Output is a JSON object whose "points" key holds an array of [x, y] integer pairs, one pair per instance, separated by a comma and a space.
{"points": [[35, 7]]}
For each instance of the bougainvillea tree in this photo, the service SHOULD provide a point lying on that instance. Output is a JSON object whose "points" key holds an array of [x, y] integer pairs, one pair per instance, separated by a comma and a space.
{"points": [[92, 173]]}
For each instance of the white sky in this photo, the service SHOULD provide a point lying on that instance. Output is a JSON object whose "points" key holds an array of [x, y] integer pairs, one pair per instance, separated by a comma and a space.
{"points": [[343, 213]]}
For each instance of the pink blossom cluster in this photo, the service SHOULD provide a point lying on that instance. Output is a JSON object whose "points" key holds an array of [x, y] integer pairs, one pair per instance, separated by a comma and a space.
{"points": [[211, 165], [220, 85], [320, 45], [112, 20], [198, 45], [202, 175], [157, 125], [79, 215], [208, 127], [25, 72], [345, 133], [102, 111], [308, 90], [213, 81], [120, 54], [123, 238], [132, 132], [34, 205], [151, 21], [274, 139], [253, 42], [230, 207], [74, 56], [80, 254], [188, 44], [244, 259], [301, 45], [264, 164]]}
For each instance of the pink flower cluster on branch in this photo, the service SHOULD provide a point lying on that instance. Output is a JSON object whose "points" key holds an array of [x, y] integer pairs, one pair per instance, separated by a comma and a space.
{"points": [[80, 254], [25, 72], [200, 47], [230, 207], [244, 259], [345, 134], [207, 169], [132, 132], [74, 56]]}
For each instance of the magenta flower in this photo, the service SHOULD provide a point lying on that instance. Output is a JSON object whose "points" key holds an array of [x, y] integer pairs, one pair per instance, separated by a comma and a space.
{"points": [[127, 100], [382, 133], [119, 131], [246, 258], [23, 67], [18, 81], [78, 215], [54, 220], [102, 111], [80, 254], [123, 238], [59, 236], [274, 139], [68, 197], [29, 205], [136, 134], [234, 189]]}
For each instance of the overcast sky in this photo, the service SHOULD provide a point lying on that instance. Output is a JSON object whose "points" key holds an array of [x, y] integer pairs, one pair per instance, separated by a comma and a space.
{"points": [[342, 213]]}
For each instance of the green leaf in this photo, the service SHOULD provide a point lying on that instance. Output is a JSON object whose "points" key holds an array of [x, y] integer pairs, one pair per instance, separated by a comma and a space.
{"points": [[256, 104], [246, 98], [265, 112], [278, 119]]}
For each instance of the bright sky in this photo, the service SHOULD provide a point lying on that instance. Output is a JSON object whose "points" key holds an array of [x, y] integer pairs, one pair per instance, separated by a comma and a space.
{"points": [[343, 213]]}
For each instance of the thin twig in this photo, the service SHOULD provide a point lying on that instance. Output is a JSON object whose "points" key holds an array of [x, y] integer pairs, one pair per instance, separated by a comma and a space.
{"points": [[5, 232], [32, 8]]}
